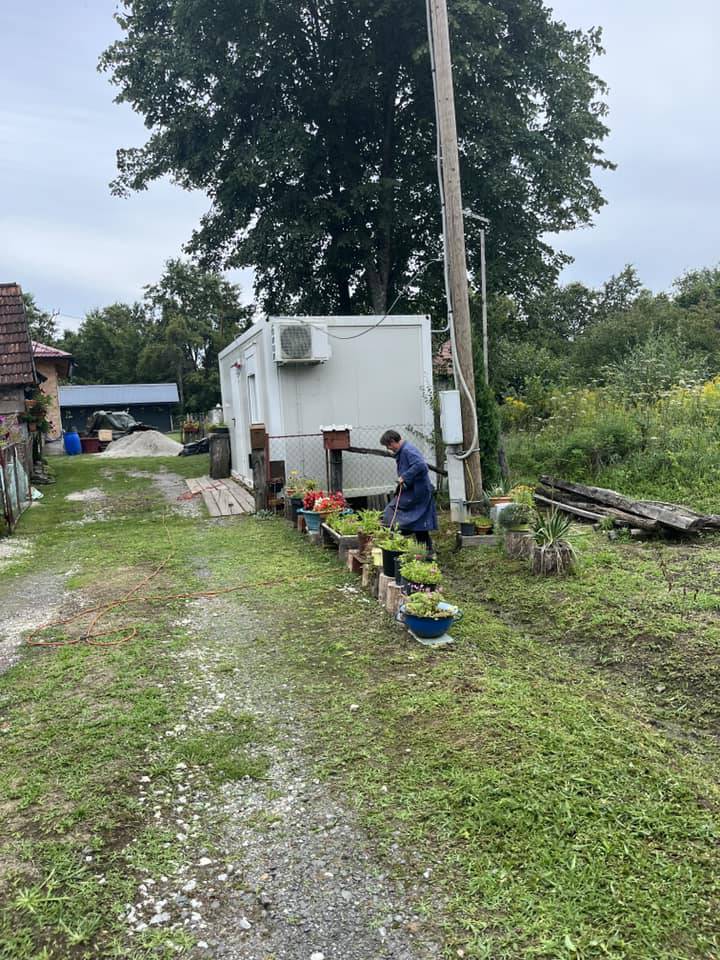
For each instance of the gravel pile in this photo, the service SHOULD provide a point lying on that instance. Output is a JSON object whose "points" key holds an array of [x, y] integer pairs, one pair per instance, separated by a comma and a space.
{"points": [[144, 443]]}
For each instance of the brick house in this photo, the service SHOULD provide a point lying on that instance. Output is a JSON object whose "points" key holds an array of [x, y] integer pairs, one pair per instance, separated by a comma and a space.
{"points": [[51, 365], [18, 376]]}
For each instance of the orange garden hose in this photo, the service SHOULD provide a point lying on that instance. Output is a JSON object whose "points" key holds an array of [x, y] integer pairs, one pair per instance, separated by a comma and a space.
{"points": [[95, 639]]}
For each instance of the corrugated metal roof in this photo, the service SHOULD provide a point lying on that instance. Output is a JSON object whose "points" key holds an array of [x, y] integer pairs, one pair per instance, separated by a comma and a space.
{"points": [[100, 395], [16, 360]]}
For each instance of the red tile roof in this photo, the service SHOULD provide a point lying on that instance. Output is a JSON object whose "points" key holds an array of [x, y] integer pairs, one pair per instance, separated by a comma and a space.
{"points": [[44, 352], [16, 360]]}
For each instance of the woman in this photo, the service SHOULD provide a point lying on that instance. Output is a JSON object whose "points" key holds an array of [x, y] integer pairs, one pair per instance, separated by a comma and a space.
{"points": [[413, 507]]}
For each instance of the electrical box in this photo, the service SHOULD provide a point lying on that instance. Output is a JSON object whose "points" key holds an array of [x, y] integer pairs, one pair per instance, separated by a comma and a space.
{"points": [[450, 417]]}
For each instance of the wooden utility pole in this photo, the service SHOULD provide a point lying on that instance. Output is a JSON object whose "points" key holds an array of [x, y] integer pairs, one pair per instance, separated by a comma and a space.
{"points": [[455, 232]]}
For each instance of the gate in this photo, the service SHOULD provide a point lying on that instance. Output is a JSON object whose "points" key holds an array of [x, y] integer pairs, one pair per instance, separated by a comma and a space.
{"points": [[14, 483]]}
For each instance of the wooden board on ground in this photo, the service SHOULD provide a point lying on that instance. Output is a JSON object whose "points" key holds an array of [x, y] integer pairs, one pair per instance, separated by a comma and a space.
{"points": [[223, 498]]}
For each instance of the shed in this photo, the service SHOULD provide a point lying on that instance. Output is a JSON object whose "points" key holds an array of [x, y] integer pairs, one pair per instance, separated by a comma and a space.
{"points": [[52, 365], [17, 369], [18, 379], [152, 403], [296, 374]]}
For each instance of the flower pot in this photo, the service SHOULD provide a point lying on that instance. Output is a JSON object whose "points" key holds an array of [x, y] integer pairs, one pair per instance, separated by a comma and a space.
{"points": [[467, 529], [295, 507], [389, 558], [498, 501], [483, 529], [336, 439], [313, 520], [428, 627]]}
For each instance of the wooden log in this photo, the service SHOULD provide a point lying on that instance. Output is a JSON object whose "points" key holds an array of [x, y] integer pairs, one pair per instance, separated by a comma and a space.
{"points": [[596, 512], [383, 583], [668, 515], [394, 598], [219, 455]]}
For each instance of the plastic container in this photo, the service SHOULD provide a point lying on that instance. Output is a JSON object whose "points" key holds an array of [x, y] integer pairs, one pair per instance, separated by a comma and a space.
{"points": [[72, 443], [427, 627]]}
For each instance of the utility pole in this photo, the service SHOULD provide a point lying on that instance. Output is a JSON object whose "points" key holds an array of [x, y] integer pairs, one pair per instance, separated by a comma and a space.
{"points": [[455, 234]]}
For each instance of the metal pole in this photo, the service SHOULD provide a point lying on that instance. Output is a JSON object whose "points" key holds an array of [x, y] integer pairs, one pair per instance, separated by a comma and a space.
{"points": [[455, 233], [483, 288]]}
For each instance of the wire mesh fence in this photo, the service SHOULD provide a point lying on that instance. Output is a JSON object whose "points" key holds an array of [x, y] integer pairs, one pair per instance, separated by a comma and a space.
{"points": [[14, 482], [364, 474]]}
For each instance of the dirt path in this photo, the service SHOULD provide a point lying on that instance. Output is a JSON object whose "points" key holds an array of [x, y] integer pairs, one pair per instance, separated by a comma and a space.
{"points": [[289, 874]]}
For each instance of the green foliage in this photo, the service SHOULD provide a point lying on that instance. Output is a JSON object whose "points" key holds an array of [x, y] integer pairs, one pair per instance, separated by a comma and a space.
{"points": [[187, 318], [394, 541], [311, 130], [426, 605], [515, 516], [552, 528], [41, 324], [347, 525], [370, 521], [195, 314], [420, 571]]}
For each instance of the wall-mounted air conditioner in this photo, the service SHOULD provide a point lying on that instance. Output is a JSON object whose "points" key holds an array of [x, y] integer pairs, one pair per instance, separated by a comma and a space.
{"points": [[298, 342]]}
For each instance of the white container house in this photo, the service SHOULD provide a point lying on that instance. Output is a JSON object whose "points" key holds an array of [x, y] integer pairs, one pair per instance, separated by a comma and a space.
{"points": [[298, 374]]}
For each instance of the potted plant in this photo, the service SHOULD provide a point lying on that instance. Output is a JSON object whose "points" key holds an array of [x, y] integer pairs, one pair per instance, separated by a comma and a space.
{"points": [[296, 487], [35, 413], [499, 495], [428, 615], [218, 428], [419, 576], [392, 544], [552, 553], [483, 525], [346, 524], [329, 503], [313, 519], [514, 520], [369, 526]]}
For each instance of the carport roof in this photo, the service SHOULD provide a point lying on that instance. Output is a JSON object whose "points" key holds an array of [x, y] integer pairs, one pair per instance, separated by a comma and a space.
{"points": [[101, 395]]}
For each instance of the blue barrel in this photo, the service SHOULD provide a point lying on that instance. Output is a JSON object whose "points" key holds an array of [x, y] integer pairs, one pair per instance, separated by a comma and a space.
{"points": [[72, 443]]}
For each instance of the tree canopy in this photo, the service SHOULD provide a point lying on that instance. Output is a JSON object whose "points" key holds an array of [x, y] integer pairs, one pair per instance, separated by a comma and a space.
{"points": [[174, 335], [310, 126]]}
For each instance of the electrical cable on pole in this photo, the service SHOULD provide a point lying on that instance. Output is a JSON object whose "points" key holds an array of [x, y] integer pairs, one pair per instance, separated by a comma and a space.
{"points": [[456, 278]]}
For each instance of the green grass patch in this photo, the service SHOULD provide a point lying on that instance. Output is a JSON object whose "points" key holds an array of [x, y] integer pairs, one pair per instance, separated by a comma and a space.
{"points": [[532, 768]]}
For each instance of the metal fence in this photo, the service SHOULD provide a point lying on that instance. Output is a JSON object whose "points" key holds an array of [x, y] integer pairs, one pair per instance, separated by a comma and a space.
{"points": [[14, 482], [364, 475]]}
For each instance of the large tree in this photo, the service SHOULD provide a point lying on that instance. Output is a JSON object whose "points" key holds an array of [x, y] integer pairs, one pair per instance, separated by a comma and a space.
{"points": [[310, 125], [195, 314]]}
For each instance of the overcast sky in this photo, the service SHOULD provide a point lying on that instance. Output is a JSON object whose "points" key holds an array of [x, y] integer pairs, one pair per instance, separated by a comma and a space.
{"points": [[65, 239]]}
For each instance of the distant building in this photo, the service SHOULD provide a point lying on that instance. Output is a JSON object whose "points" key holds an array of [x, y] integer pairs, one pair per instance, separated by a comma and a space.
{"points": [[152, 403], [51, 365], [18, 377]]}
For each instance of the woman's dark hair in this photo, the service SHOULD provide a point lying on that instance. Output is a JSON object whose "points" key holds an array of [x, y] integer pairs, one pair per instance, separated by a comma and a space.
{"points": [[390, 436]]}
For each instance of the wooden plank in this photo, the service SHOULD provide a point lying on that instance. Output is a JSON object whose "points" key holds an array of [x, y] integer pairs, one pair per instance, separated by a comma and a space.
{"points": [[211, 503], [244, 495], [245, 499], [194, 485]]}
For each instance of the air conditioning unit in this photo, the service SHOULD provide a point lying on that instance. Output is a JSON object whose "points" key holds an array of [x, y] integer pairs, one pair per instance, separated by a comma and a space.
{"points": [[295, 341]]}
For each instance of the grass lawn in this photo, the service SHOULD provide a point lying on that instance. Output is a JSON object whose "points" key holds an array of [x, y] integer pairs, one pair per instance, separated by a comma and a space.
{"points": [[555, 772]]}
